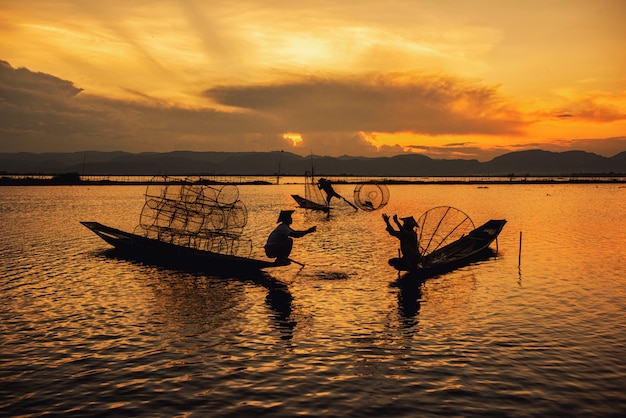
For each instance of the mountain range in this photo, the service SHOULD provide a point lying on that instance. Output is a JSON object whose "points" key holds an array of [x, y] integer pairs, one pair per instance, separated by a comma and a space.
{"points": [[522, 163]]}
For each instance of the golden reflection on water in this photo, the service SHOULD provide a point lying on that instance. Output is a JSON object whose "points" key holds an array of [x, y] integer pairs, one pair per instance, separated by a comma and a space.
{"points": [[340, 328]]}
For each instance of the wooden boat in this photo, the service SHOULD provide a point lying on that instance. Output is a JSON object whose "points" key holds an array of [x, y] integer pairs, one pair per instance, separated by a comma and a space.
{"points": [[309, 204], [172, 255], [313, 198], [463, 251]]}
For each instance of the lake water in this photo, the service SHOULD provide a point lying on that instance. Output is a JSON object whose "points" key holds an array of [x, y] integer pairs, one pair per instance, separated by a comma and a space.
{"points": [[540, 330]]}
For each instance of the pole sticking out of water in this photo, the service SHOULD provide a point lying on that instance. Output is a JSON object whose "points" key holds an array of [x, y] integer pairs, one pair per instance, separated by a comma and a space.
{"points": [[519, 258], [280, 157]]}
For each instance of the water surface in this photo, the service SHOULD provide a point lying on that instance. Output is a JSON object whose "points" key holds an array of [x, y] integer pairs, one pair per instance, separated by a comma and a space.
{"points": [[537, 331]]}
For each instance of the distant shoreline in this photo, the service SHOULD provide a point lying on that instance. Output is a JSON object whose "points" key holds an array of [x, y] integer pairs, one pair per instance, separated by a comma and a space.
{"points": [[76, 180]]}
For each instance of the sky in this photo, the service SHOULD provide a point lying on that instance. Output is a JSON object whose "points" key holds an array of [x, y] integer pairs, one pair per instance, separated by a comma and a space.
{"points": [[443, 78]]}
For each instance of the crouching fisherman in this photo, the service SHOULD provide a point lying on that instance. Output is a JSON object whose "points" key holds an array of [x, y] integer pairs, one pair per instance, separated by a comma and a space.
{"points": [[279, 242], [411, 258]]}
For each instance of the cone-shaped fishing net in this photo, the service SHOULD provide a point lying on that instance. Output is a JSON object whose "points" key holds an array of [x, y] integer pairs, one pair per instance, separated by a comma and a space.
{"points": [[193, 214], [311, 190], [371, 196], [440, 226]]}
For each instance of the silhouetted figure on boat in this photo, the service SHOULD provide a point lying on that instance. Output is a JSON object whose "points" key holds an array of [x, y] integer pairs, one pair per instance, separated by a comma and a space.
{"points": [[327, 187], [409, 247], [279, 242]]}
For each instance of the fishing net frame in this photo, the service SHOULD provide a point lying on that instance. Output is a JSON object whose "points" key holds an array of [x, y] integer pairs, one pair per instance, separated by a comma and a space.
{"points": [[195, 214], [440, 226], [311, 191], [371, 196]]}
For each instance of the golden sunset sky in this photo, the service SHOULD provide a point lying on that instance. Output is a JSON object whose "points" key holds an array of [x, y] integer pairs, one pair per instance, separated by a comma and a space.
{"points": [[445, 78]]}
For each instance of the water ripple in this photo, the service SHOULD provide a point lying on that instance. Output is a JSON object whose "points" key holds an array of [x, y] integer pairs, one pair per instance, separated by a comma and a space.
{"points": [[85, 333]]}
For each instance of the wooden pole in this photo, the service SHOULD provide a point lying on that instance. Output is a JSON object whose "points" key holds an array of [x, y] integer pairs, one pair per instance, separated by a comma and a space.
{"points": [[296, 262], [519, 258]]}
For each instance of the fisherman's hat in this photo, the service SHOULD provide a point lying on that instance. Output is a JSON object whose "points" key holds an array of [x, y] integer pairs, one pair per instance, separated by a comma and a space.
{"points": [[284, 215], [409, 220]]}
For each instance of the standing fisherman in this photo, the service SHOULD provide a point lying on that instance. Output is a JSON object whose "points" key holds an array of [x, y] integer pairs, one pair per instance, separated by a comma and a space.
{"points": [[325, 184]]}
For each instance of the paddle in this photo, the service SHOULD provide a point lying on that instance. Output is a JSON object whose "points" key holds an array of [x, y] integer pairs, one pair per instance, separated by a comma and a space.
{"points": [[297, 262], [348, 202]]}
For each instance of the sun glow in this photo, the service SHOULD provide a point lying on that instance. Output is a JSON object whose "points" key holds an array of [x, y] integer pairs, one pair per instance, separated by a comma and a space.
{"points": [[443, 80], [293, 137]]}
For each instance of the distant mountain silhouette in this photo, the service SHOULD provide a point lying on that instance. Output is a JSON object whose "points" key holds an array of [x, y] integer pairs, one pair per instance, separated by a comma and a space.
{"points": [[522, 163], [563, 163]]}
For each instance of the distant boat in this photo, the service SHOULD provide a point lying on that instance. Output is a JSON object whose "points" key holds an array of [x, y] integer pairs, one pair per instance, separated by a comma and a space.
{"points": [[309, 204], [313, 198]]}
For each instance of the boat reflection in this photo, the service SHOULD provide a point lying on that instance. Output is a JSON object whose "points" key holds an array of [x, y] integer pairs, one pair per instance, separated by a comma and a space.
{"points": [[409, 302], [410, 286], [409, 299], [279, 298]]}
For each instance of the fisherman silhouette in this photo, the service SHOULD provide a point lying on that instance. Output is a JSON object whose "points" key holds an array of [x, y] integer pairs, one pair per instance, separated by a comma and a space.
{"points": [[280, 243], [409, 248], [327, 187]]}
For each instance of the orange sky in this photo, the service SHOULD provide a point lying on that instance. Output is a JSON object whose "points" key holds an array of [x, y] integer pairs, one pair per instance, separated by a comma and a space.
{"points": [[446, 78]]}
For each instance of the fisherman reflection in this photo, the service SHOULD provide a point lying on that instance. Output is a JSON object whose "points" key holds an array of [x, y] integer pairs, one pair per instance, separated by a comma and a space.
{"points": [[279, 242], [410, 255], [279, 299], [409, 300]]}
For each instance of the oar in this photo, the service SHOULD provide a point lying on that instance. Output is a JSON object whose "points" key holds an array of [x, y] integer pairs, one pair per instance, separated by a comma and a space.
{"points": [[348, 202], [297, 262]]}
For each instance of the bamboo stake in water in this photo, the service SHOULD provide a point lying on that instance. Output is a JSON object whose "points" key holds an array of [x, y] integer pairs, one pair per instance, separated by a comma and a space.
{"points": [[519, 259]]}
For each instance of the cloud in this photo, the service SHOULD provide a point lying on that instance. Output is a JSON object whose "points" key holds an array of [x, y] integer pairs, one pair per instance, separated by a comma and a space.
{"points": [[595, 110], [333, 116], [34, 105], [23, 86], [598, 108], [42, 113], [464, 151], [431, 105]]}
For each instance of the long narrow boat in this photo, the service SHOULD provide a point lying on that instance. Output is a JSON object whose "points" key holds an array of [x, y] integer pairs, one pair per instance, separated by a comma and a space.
{"points": [[309, 204], [463, 251], [313, 198], [164, 253]]}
